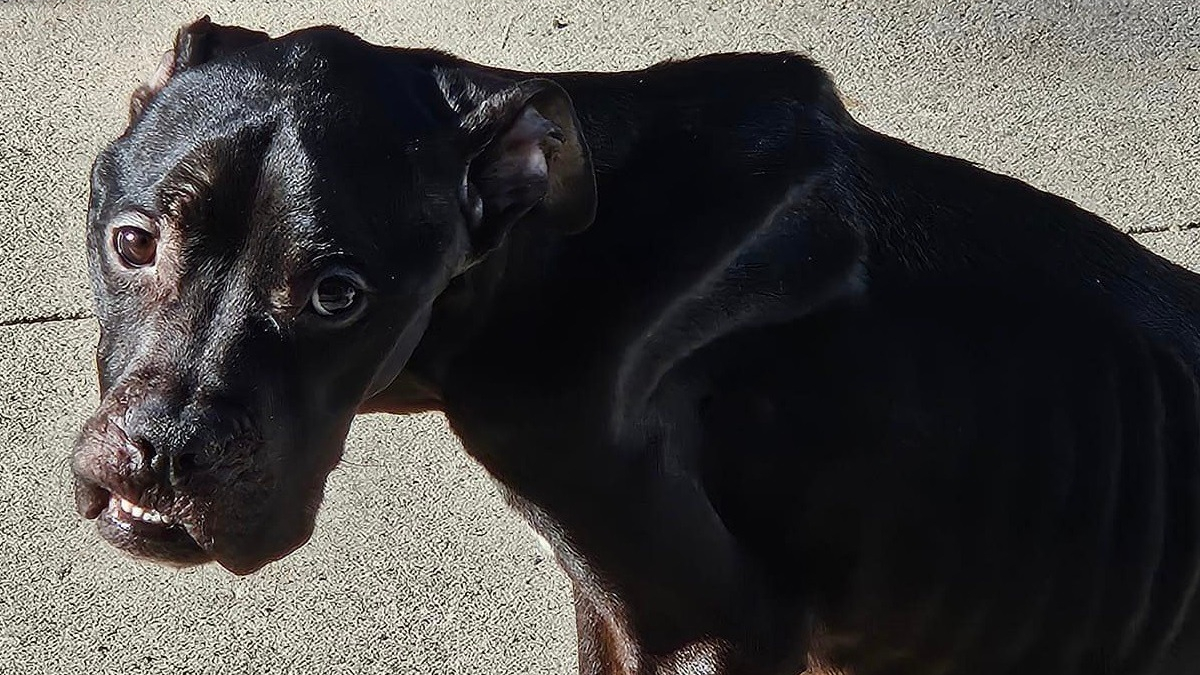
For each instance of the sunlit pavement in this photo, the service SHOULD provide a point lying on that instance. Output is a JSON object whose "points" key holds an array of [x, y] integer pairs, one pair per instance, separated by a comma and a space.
{"points": [[416, 566]]}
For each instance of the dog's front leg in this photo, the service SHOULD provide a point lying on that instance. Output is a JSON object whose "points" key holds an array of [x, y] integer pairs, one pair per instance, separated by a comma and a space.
{"points": [[604, 647]]}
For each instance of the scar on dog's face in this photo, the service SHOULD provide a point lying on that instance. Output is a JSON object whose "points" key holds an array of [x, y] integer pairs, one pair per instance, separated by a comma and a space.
{"points": [[265, 243]]}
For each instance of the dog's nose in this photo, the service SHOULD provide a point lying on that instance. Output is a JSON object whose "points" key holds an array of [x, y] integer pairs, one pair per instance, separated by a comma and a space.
{"points": [[173, 448], [170, 463], [167, 450]]}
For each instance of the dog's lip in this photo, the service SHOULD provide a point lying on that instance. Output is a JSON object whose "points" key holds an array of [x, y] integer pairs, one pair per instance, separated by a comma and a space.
{"points": [[138, 531], [90, 499], [166, 544]]}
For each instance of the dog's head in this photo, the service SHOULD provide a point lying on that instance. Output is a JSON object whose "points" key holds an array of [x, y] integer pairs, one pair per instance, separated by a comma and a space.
{"points": [[266, 241]]}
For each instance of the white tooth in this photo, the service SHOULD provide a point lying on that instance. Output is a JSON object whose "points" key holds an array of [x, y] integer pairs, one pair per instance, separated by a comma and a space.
{"points": [[137, 511], [126, 505], [154, 517]]}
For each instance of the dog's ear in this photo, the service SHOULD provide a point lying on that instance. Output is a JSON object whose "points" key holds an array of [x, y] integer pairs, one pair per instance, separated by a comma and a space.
{"points": [[527, 161], [195, 43]]}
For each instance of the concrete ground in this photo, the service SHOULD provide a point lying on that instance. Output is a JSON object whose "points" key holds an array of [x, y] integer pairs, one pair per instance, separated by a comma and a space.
{"points": [[416, 566]]}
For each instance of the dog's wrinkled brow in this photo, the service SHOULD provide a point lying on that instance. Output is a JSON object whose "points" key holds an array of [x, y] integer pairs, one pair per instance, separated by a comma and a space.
{"points": [[182, 192], [223, 169], [131, 218]]}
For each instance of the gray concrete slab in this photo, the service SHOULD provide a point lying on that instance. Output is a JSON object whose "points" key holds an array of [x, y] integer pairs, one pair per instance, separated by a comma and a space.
{"points": [[416, 565], [1180, 246]]}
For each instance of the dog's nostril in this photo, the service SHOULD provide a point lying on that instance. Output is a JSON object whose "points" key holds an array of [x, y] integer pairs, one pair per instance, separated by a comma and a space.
{"points": [[141, 453], [170, 467], [182, 465]]}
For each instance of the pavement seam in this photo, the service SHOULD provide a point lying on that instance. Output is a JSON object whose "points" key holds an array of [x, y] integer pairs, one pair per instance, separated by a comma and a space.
{"points": [[1154, 229], [49, 318]]}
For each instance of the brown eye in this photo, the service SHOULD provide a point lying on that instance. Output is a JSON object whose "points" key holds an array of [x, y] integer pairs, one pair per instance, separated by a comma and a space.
{"points": [[338, 295], [334, 295], [135, 246]]}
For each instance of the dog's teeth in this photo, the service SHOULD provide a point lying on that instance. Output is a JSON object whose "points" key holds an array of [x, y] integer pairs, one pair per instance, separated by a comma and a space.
{"points": [[143, 514]]}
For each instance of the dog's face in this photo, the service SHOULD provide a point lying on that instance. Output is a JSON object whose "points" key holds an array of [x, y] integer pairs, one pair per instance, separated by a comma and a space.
{"points": [[265, 244]]}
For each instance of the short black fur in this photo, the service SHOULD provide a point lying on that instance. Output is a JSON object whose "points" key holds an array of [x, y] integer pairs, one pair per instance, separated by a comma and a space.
{"points": [[780, 391]]}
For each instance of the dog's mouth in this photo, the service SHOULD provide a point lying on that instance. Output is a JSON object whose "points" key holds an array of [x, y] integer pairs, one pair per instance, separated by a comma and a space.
{"points": [[138, 530], [228, 503]]}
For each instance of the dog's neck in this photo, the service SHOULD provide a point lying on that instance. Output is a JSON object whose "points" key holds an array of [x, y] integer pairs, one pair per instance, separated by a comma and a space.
{"points": [[647, 246]]}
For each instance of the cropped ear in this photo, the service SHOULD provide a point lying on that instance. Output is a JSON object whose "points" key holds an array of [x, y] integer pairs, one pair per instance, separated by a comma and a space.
{"points": [[527, 162], [196, 43]]}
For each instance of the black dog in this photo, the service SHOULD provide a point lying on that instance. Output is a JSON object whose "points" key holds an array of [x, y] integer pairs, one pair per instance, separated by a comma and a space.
{"points": [[780, 392]]}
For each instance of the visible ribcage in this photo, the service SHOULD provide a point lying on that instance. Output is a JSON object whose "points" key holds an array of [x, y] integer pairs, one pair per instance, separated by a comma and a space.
{"points": [[1051, 525]]}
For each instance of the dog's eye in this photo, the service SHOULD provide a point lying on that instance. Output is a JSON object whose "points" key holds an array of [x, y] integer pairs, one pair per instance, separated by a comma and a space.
{"points": [[334, 295], [135, 246]]}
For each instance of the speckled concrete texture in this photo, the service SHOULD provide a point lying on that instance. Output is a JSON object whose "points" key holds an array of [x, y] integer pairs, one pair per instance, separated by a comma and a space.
{"points": [[416, 566]]}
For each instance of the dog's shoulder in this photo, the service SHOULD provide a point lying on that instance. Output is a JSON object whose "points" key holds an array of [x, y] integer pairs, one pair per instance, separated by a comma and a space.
{"points": [[733, 79], [723, 115]]}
